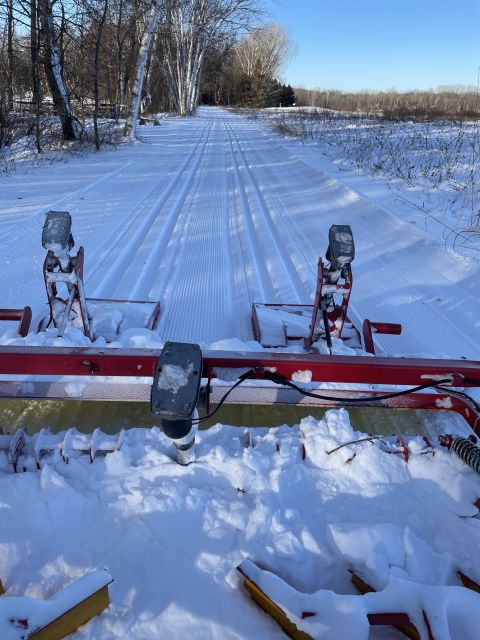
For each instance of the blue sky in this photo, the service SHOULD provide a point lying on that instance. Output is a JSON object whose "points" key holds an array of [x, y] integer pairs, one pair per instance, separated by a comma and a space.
{"points": [[380, 44]]}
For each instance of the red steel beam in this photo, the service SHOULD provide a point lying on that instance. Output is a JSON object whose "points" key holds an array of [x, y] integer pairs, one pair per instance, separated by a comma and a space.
{"points": [[60, 361], [385, 328]]}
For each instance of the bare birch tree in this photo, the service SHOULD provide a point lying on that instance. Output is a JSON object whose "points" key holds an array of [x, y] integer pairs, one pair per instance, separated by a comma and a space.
{"points": [[152, 19], [263, 52], [188, 28], [34, 55], [100, 19], [10, 54], [54, 72]]}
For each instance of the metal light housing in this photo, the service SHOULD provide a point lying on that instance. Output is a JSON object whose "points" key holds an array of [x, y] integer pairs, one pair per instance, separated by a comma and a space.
{"points": [[175, 393], [341, 247], [57, 238]]}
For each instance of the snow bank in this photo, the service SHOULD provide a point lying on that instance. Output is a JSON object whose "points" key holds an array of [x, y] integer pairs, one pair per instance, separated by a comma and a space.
{"points": [[172, 537]]}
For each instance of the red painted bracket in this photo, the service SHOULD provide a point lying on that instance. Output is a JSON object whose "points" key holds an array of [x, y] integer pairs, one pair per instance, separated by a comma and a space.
{"points": [[399, 620], [24, 317], [385, 328]]}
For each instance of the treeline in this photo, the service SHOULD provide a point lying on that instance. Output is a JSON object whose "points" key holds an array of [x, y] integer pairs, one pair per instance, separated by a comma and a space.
{"points": [[445, 102], [244, 72], [86, 59]]}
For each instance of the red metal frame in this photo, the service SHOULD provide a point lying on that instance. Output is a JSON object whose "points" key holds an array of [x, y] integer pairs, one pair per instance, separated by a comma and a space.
{"points": [[336, 316], [65, 361], [24, 317], [76, 292], [385, 328], [37, 361], [76, 289]]}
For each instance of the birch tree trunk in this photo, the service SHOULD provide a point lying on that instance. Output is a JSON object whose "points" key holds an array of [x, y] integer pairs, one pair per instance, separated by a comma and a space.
{"points": [[190, 27], [34, 55], [184, 43], [54, 73], [10, 55], [119, 52], [146, 94], [98, 40], [131, 123]]}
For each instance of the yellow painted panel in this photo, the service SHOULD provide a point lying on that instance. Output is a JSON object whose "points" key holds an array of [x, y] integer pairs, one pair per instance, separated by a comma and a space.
{"points": [[274, 610], [75, 617]]}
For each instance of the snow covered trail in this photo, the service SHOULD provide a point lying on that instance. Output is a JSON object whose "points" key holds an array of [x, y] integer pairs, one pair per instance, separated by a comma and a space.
{"points": [[213, 213]]}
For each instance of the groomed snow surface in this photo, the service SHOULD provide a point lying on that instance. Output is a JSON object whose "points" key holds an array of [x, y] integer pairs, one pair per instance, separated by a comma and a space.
{"points": [[208, 215], [213, 213]]}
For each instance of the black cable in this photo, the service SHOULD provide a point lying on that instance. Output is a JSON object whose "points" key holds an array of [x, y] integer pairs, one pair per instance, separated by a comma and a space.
{"points": [[278, 379], [241, 379], [345, 444], [281, 380], [471, 381]]}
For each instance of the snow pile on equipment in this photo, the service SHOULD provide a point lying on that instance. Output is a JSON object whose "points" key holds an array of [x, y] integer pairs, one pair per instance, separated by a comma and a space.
{"points": [[173, 536], [95, 317]]}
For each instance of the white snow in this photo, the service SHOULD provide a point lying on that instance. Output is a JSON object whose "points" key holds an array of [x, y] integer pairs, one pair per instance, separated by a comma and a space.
{"points": [[444, 403], [211, 214], [19, 616], [172, 537], [302, 376], [172, 377], [214, 213]]}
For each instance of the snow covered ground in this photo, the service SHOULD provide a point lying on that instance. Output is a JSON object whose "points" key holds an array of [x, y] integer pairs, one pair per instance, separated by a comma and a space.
{"points": [[213, 213], [172, 537], [208, 215], [427, 173]]}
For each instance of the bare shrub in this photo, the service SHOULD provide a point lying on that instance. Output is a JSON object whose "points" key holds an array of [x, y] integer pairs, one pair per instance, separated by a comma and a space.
{"points": [[283, 129], [18, 143], [452, 103], [437, 159]]}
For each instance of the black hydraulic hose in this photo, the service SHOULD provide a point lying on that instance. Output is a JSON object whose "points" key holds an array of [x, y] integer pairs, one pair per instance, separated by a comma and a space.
{"points": [[242, 378], [278, 379], [282, 380], [345, 444], [326, 326], [471, 381]]}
